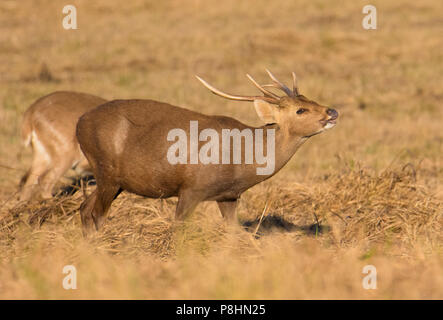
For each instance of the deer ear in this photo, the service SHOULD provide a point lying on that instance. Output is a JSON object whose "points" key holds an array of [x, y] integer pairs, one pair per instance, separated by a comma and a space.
{"points": [[265, 111]]}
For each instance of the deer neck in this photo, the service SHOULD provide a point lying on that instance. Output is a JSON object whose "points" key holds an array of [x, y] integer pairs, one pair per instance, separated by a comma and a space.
{"points": [[285, 145]]}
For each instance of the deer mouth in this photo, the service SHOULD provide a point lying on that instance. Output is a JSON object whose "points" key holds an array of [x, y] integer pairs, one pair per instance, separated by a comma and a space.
{"points": [[329, 123]]}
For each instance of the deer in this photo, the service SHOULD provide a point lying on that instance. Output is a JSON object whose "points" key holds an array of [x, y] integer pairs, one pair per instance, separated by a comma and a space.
{"points": [[48, 126], [126, 144]]}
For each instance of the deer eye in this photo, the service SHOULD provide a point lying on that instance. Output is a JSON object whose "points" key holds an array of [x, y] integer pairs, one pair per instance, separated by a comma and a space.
{"points": [[301, 110]]}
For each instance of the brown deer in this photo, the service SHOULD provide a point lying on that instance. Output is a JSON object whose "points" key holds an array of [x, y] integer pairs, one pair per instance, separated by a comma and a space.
{"points": [[126, 144], [49, 127]]}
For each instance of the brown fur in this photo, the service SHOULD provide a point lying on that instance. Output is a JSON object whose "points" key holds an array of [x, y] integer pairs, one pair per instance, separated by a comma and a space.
{"points": [[49, 127], [141, 167]]}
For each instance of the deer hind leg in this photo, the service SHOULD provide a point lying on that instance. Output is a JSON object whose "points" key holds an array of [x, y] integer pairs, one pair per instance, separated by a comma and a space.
{"points": [[105, 195], [228, 210], [83, 167], [94, 209], [40, 163], [187, 201], [48, 180], [23, 180], [86, 213]]}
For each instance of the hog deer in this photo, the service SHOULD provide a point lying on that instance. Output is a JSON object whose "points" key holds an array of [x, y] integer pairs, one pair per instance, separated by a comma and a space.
{"points": [[49, 127], [126, 144]]}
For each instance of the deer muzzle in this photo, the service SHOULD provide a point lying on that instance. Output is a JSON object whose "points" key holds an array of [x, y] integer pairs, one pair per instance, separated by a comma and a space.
{"points": [[332, 120]]}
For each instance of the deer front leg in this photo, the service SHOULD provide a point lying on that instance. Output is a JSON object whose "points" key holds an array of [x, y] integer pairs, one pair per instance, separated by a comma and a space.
{"points": [[228, 210], [187, 201]]}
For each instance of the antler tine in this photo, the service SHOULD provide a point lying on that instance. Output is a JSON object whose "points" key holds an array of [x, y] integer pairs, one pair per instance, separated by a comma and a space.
{"points": [[294, 83], [280, 85], [277, 86], [235, 97], [265, 92]]}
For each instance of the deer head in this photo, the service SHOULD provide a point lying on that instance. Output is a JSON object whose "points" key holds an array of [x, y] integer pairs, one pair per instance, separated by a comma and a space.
{"points": [[293, 113]]}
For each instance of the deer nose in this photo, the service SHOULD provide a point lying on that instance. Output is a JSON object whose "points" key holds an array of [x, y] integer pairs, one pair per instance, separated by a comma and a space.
{"points": [[332, 113]]}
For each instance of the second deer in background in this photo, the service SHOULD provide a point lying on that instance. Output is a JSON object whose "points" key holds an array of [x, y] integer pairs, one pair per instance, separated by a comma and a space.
{"points": [[49, 128]]}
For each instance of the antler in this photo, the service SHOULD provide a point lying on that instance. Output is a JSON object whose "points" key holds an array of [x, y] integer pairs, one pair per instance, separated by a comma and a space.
{"points": [[267, 95], [294, 84], [279, 85], [274, 99], [265, 92]]}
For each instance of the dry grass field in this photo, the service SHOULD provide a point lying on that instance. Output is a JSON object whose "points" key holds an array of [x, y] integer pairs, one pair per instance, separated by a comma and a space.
{"points": [[368, 192]]}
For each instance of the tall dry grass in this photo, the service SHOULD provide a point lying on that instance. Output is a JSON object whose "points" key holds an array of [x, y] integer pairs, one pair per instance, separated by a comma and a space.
{"points": [[367, 192], [311, 242]]}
